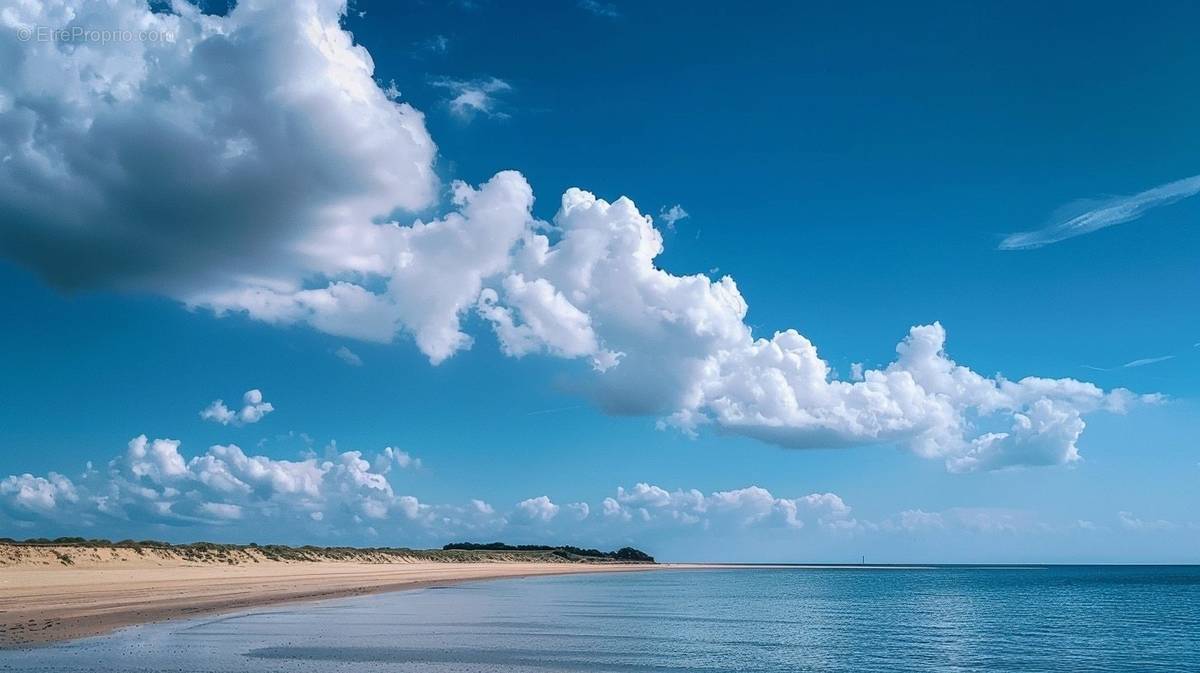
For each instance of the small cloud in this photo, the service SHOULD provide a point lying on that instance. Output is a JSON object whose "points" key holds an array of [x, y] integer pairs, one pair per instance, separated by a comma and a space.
{"points": [[392, 456], [254, 408], [392, 91], [348, 356], [538, 509], [438, 44], [917, 520], [672, 215], [473, 97], [1084, 217], [1130, 522], [1142, 362], [580, 509], [605, 9]]}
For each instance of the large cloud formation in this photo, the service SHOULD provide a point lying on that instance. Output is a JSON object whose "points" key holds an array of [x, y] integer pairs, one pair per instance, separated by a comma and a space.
{"points": [[251, 164], [349, 493]]}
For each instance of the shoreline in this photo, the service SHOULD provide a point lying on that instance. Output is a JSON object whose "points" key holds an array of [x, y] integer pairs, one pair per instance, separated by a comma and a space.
{"points": [[41, 606]]}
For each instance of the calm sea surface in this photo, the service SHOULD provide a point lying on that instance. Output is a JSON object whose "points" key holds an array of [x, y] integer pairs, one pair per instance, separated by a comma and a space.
{"points": [[1141, 619]]}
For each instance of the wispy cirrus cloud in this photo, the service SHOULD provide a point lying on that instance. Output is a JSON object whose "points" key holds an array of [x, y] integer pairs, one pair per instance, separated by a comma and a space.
{"points": [[1142, 362], [605, 9], [1132, 364], [1088, 216], [438, 44]]}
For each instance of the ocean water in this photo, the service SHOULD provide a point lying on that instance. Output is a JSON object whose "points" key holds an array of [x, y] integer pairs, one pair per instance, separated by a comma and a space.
{"points": [[944, 619]]}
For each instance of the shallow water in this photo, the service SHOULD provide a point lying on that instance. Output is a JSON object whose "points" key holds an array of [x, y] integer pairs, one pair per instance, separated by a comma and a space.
{"points": [[945, 619]]}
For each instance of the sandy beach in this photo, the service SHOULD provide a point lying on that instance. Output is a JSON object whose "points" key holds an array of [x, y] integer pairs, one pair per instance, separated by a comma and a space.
{"points": [[41, 603]]}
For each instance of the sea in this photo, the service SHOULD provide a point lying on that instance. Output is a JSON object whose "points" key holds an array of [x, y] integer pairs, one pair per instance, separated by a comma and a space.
{"points": [[764, 620]]}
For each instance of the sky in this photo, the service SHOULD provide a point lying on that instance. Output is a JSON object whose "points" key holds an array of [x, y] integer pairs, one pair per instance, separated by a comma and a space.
{"points": [[764, 283]]}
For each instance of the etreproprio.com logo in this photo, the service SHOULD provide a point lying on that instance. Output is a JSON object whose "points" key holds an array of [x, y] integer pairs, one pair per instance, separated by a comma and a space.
{"points": [[82, 34]]}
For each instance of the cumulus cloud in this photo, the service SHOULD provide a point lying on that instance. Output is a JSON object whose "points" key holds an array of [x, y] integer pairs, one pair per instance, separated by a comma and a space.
{"points": [[254, 166], [1088, 216], [253, 409], [349, 493], [742, 507], [540, 508], [208, 161], [469, 98], [26, 496], [153, 482], [581, 510], [402, 459]]}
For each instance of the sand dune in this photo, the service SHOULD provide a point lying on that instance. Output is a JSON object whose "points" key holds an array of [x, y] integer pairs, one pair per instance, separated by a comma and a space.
{"points": [[44, 598]]}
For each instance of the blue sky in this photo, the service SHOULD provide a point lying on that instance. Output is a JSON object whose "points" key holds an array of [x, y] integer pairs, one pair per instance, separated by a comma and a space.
{"points": [[855, 171]]}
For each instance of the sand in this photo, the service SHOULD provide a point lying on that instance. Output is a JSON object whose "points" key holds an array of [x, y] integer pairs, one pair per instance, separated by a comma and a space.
{"points": [[43, 602]]}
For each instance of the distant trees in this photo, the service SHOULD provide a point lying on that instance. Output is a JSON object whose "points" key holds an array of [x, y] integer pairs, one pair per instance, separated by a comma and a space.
{"points": [[631, 554], [628, 554]]}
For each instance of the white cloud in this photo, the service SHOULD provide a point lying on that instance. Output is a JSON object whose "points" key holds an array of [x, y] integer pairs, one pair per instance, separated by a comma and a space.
{"points": [[1130, 522], [253, 409], [581, 510], [672, 215], [226, 149], [687, 353], [980, 520], [264, 133], [348, 356], [1088, 216], [221, 511], [990, 520], [350, 493], [25, 495], [469, 98], [402, 459], [916, 519], [741, 507], [153, 482], [1142, 362], [612, 508], [537, 509], [857, 371]]}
